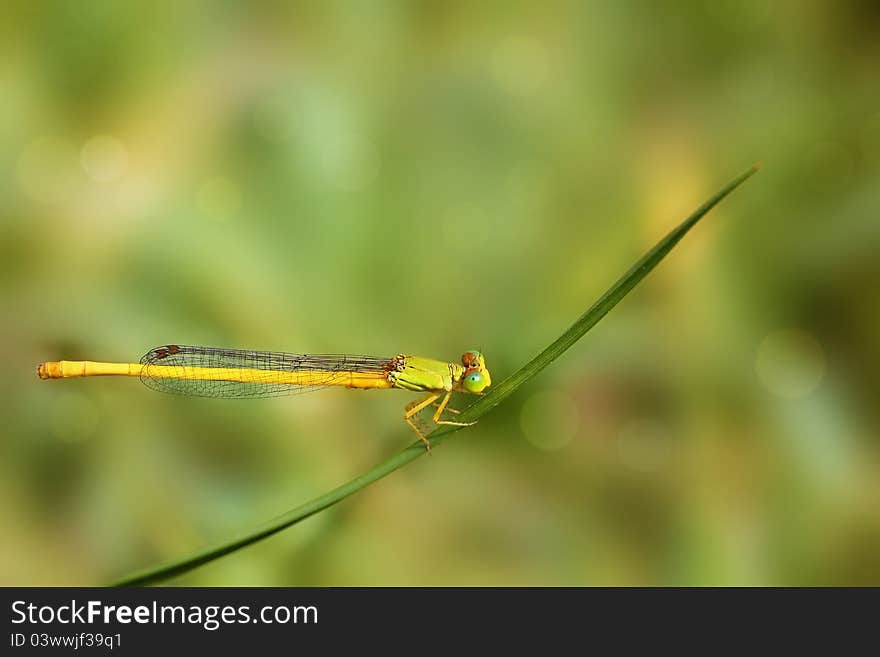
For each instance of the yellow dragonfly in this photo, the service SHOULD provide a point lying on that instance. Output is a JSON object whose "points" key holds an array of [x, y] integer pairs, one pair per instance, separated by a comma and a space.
{"points": [[238, 373]]}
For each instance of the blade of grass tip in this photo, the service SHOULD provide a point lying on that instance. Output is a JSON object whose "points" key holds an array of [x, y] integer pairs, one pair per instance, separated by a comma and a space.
{"points": [[487, 402], [601, 307]]}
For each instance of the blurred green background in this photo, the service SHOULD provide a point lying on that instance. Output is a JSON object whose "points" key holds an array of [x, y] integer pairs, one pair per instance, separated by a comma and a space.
{"points": [[377, 177]]}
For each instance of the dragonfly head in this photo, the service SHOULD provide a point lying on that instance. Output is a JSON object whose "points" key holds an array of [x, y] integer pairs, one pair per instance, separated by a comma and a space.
{"points": [[476, 377]]}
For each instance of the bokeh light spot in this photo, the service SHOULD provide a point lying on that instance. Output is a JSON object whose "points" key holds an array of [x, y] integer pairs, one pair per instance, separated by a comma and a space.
{"points": [[790, 363], [104, 158], [549, 420]]}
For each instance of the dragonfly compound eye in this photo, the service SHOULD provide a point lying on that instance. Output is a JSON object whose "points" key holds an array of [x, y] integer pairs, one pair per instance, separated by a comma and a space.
{"points": [[474, 382]]}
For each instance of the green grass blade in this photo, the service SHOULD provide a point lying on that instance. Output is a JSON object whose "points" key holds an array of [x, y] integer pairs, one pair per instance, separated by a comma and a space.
{"points": [[498, 393], [605, 303]]}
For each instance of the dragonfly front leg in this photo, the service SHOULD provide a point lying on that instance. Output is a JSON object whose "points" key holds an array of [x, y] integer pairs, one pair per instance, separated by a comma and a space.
{"points": [[440, 410], [413, 408]]}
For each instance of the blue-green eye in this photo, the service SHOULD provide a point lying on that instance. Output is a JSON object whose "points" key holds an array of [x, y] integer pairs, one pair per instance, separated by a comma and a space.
{"points": [[474, 382]]}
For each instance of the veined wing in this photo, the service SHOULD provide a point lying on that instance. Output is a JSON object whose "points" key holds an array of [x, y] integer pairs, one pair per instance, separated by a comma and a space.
{"points": [[239, 373]]}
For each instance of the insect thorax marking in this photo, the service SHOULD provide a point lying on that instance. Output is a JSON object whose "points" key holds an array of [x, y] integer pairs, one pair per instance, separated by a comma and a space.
{"points": [[394, 367]]}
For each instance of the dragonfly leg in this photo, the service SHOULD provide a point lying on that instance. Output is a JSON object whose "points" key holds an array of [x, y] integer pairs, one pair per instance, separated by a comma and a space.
{"points": [[413, 408], [440, 410], [448, 408]]}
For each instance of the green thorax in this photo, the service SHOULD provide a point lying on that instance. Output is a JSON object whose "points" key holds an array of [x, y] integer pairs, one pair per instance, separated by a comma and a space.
{"points": [[424, 374]]}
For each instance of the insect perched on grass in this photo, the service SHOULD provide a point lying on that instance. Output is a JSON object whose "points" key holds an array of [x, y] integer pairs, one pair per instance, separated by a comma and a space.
{"points": [[237, 373]]}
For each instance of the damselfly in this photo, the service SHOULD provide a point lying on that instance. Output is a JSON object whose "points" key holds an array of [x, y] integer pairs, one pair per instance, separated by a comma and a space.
{"points": [[237, 373]]}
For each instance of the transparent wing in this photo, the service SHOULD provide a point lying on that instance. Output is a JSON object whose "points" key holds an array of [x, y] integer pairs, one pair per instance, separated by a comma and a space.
{"points": [[238, 373]]}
